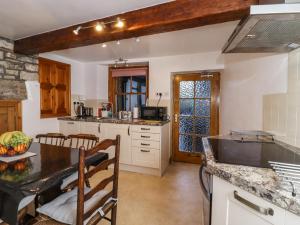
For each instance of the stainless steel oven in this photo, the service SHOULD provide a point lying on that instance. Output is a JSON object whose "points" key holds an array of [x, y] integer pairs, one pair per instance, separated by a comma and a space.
{"points": [[206, 186]]}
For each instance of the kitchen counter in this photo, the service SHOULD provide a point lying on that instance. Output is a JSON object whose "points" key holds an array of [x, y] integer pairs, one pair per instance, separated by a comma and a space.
{"points": [[116, 121], [261, 182]]}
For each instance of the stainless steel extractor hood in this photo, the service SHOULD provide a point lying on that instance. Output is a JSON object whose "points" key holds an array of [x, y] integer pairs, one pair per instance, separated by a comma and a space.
{"points": [[268, 28]]}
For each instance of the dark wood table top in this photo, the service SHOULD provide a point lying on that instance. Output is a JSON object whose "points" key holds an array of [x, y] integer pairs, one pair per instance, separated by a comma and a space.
{"points": [[36, 174]]}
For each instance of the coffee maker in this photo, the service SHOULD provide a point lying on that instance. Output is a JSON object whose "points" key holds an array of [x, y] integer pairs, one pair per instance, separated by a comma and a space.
{"points": [[79, 109]]}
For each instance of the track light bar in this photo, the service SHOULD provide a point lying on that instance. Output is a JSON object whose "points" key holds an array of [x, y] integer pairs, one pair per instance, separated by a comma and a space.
{"points": [[100, 26]]}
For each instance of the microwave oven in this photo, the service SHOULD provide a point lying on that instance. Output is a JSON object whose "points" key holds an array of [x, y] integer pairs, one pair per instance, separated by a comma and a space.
{"points": [[154, 113]]}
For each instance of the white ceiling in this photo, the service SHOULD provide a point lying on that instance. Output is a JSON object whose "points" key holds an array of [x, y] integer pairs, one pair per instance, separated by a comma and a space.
{"points": [[22, 18], [189, 41]]}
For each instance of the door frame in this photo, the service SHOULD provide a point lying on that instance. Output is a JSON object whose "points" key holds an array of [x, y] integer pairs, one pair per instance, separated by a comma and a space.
{"points": [[175, 132]]}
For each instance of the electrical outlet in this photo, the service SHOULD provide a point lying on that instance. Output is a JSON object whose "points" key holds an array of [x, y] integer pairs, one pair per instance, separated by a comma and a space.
{"points": [[159, 94]]}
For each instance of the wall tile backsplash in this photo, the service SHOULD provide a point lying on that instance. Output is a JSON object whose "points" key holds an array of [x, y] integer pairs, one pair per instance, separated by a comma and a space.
{"points": [[281, 112]]}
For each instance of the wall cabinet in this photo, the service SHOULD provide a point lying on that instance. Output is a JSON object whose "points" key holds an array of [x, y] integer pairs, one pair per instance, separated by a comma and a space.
{"points": [[54, 88], [234, 206], [143, 149]]}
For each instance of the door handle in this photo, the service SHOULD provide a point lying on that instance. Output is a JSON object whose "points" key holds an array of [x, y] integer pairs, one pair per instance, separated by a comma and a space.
{"points": [[128, 131], [145, 128], [145, 144], [143, 136], [175, 117], [71, 123], [261, 210], [142, 150], [99, 128]]}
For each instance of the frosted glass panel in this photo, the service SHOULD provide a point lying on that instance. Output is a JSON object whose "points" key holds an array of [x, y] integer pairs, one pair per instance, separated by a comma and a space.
{"points": [[187, 107], [186, 143], [202, 107], [185, 125], [187, 89], [203, 88], [202, 125]]}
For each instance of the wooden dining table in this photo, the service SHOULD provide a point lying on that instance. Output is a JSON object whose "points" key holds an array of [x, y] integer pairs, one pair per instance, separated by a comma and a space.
{"points": [[36, 174]]}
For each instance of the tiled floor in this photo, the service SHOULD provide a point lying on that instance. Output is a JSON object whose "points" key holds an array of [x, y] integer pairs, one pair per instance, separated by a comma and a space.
{"points": [[174, 199]]}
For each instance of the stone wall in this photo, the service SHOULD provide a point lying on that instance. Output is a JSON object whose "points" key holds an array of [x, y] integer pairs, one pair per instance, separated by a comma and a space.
{"points": [[15, 69]]}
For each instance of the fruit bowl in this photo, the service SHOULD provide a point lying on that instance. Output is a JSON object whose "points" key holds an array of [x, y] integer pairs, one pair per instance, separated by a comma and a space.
{"points": [[15, 171], [14, 143]]}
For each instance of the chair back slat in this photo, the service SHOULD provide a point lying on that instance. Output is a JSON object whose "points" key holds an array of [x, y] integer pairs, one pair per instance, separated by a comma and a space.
{"points": [[98, 187], [57, 139], [82, 140], [82, 196], [102, 166], [105, 144]]}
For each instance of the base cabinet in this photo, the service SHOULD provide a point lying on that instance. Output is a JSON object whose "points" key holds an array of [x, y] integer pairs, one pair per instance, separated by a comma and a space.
{"points": [[143, 149], [234, 206]]}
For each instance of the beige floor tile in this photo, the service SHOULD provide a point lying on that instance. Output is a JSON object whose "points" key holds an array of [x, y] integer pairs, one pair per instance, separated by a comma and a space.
{"points": [[174, 199]]}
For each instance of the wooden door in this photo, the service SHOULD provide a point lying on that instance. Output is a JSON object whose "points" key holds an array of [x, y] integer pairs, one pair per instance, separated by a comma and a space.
{"points": [[55, 88], [196, 114], [10, 116]]}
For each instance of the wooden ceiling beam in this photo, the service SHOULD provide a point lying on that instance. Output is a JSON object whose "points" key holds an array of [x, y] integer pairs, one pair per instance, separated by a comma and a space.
{"points": [[171, 16]]}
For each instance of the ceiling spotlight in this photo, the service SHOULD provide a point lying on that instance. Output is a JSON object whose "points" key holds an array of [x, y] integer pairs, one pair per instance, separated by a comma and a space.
{"points": [[99, 27], [137, 39], [118, 42], [76, 31], [119, 23], [104, 45]]}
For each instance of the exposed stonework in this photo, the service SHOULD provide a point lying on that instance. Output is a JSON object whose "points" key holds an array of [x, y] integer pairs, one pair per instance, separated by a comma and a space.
{"points": [[15, 69], [12, 89]]}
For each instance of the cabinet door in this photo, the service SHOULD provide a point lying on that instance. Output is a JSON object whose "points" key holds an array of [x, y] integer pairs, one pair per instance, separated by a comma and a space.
{"points": [[62, 92], [55, 88], [92, 128], [230, 209], [10, 116], [47, 76], [111, 131], [69, 127]]}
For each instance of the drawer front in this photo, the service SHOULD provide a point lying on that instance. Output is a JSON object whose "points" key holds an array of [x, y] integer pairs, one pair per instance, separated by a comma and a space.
{"points": [[146, 144], [69, 127], [146, 136], [145, 157], [146, 129]]}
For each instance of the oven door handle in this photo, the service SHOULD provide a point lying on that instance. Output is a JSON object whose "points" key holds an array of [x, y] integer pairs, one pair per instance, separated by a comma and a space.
{"points": [[205, 191]]}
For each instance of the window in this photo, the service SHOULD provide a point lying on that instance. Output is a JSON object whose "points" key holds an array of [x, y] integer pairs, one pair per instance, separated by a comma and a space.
{"points": [[128, 87]]}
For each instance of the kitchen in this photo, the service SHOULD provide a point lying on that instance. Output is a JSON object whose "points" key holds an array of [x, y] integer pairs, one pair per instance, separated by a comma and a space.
{"points": [[77, 80]]}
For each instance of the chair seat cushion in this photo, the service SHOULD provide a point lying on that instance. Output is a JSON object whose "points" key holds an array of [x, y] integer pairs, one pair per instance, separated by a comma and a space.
{"points": [[64, 208]]}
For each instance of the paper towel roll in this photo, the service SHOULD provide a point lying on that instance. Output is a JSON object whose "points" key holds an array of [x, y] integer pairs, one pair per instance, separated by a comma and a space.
{"points": [[136, 112]]}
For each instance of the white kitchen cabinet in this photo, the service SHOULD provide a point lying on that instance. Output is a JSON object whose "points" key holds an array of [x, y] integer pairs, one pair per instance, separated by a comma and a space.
{"points": [[291, 219], [234, 206], [110, 130], [143, 149], [69, 127], [92, 128]]}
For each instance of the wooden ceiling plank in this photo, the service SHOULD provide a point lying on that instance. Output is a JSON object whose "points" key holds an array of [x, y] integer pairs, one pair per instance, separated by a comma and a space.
{"points": [[171, 16]]}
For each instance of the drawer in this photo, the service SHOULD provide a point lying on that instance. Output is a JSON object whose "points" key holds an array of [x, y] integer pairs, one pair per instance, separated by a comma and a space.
{"points": [[145, 144], [145, 157], [146, 136], [146, 129]]}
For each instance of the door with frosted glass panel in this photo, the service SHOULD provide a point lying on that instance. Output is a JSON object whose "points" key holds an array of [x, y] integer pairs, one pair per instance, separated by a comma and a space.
{"points": [[196, 113]]}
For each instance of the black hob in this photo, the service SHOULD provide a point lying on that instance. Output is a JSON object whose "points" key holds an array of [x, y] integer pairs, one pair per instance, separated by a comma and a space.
{"points": [[251, 153]]}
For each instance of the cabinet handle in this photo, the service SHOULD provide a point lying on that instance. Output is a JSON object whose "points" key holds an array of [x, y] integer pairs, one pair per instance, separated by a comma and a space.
{"points": [[261, 210], [128, 131], [145, 144], [142, 136], [99, 128], [143, 150], [145, 128], [70, 123]]}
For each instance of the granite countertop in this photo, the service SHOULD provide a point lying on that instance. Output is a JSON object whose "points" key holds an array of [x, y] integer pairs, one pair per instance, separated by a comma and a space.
{"points": [[116, 121], [261, 182]]}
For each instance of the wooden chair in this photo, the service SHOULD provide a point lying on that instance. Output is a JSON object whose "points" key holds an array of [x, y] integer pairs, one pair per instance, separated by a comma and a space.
{"points": [[51, 138], [102, 203], [88, 141]]}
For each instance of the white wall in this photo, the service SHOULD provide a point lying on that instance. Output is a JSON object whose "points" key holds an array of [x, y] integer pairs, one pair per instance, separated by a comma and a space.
{"points": [[246, 79]]}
